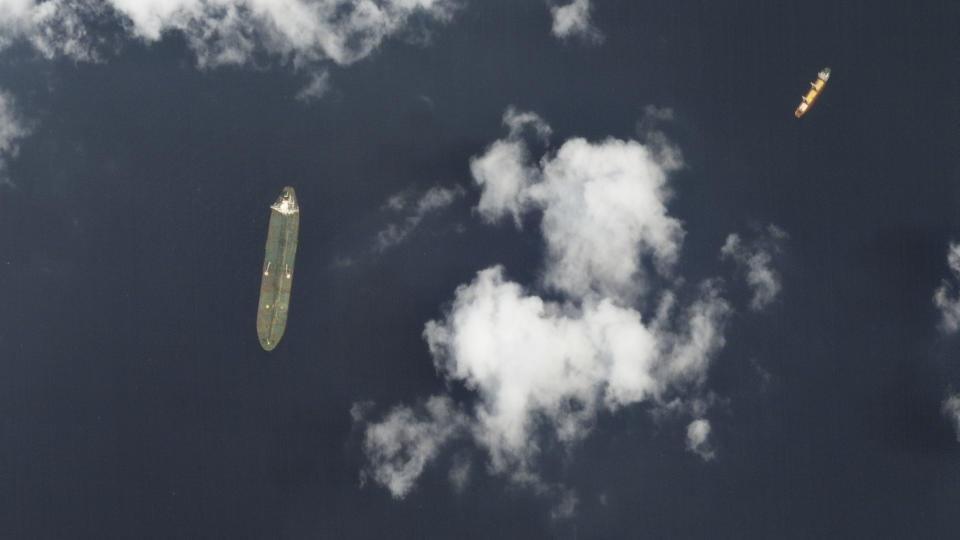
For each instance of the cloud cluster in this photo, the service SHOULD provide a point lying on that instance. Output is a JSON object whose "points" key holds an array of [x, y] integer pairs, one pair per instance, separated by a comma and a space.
{"points": [[754, 259], [542, 369], [53, 27], [573, 21], [947, 303], [542, 366], [224, 32], [12, 129], [951, 409], [434, 199]]}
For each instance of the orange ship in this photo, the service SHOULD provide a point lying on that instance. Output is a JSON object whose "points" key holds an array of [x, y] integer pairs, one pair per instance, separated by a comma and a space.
{"points": [[815, 88]]}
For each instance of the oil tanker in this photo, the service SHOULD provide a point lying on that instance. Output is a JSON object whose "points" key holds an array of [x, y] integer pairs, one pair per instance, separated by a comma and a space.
{"points": [[278, 260]]}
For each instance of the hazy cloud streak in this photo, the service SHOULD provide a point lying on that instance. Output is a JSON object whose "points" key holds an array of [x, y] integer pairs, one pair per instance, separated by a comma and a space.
{"points": [[433, 200], [12, 129], [317, 87], [951, 409], [947, 303]]}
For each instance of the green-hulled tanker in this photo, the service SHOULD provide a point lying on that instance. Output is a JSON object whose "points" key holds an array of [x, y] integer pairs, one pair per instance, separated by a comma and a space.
{"points": [[278, 269]]}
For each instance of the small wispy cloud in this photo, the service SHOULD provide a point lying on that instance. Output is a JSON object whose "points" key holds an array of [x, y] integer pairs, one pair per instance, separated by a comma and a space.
{"points": [[951, 409], [566, 506], [698, 439], [318, 87], [755, 258], [504, 173], [399, 446], [573, 21], [650, 134], [518, 121], [947, 301], [12, 129], [433, 200]]}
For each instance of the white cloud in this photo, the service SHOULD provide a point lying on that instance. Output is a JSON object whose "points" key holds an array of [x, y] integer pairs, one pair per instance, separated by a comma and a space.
{"points": [[573, 20], [754, 258], [604, 208], [434, 199], [949, 304], [528, 359], [398, 447], [224, 32], [534, 361], [12, 129], [503, 170], [698, 439], [951, 409], [517, 121]]}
